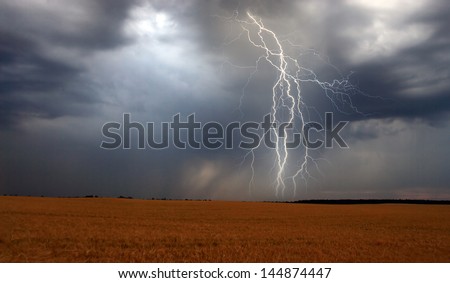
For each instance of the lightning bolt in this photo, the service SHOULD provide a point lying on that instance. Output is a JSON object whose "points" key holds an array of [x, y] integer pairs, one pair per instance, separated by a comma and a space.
{"points": [[288, 105]]}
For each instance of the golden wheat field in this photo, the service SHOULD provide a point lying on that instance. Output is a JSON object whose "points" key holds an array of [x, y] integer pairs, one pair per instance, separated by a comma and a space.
{"points": [[122, 230]]}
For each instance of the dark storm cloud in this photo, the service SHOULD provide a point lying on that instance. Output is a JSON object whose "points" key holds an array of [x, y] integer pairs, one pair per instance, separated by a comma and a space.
{"points": [[32, 80], [423, 89], [388, 102], [26, 76], [28, 31], [81, 24]]}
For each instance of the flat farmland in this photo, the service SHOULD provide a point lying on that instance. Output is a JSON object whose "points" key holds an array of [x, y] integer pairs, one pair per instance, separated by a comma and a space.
{"points": [[122, 230]]}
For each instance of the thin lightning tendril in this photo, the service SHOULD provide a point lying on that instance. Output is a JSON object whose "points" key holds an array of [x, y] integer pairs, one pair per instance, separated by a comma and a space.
{"points": [[288, 105]]}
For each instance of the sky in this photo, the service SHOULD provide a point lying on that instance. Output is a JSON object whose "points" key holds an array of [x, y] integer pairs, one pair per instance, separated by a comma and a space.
{"points": [[69, 67]]}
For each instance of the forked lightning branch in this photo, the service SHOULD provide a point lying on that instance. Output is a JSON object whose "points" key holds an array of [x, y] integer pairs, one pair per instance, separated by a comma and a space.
{"points": [[288, 103]]}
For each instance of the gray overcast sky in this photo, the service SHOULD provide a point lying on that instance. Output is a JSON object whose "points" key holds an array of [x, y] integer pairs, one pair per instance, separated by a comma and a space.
{"points": [[68, 67]]}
